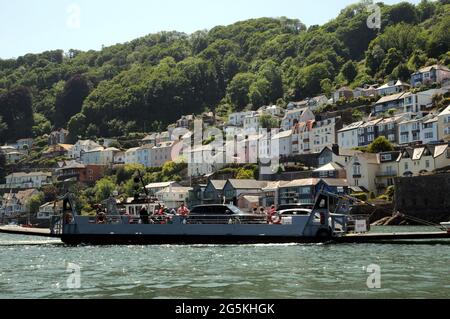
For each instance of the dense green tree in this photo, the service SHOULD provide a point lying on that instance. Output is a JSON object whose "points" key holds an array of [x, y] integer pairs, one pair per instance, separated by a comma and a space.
{"points": [[41, 125], [103, 189], [381, 144], [77, 127], [71, 99], [349, 71], [239, 88], [16, 111], [267, 121]]}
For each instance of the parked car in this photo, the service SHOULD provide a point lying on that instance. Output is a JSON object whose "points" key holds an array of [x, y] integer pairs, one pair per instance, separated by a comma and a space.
{"points": [[294, 211], [295, 206], [222, 214]]}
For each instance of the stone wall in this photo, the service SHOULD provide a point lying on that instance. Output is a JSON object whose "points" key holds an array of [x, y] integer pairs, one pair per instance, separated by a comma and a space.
{"points": [[425, 197]]}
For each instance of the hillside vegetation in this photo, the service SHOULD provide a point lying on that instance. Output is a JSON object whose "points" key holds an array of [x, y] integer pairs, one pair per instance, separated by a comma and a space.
{"points": [[147, 83]]}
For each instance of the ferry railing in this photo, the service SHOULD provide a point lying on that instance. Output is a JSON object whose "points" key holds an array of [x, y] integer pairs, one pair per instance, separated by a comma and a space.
{"points": [[191, 220], [56, 225]]}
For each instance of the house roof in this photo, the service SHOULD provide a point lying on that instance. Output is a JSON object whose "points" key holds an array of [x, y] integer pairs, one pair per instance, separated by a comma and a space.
{"points": [[435, 66], [23, 174], [344, 88], [162, 185], [247, 183], [314, 181], [330, 167], [175, 189], [284, 134], [218, 184], [390, 98], [352, 126], [371, 123], [274, 185], [368, 158], [439, 150], [71, 165], [445, 112]]}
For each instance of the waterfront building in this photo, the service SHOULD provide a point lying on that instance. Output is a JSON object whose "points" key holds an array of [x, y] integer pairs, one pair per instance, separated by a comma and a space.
{"points": [[361, 171], [295, 116], [82, 146], [22, 180], [58, 137], [173, 197], [444, 125], [348, 137], [393, 87]]}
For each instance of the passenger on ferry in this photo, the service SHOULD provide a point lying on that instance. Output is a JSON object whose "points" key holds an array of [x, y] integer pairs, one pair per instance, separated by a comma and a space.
{"points": [[262, 211], [183, 211], [272, 211], [144, 215]]}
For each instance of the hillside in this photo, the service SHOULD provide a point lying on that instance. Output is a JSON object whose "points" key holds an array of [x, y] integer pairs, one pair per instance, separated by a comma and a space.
{"points": [[147, 83]]}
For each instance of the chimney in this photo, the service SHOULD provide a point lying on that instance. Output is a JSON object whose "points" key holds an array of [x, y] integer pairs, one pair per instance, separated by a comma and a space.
{"points": [[335, 149]]}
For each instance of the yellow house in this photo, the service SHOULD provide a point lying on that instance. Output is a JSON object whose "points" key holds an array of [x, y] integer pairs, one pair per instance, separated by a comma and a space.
{"points": [[415, 161], [362, 170]]}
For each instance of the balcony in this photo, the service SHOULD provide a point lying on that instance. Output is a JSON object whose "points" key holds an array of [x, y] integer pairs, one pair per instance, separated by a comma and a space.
{"points": [[387, 174]]}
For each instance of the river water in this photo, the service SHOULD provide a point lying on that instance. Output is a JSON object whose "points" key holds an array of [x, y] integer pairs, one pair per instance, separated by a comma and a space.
{"points": [[38, 268]]}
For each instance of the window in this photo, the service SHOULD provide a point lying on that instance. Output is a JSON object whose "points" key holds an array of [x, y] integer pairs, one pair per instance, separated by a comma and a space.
{"points": [[370, 129], [391, 137], [406, 166], [357, 169], [370, 137], [429, 135], [391, 126], [427, 164], [381, 128]]}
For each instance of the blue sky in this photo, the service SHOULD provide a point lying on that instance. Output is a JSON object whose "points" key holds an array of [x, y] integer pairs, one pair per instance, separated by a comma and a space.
{"points": [[32, 26]]}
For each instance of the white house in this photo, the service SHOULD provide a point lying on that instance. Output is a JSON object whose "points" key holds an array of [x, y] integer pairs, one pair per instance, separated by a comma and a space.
{"points": [[296, 116], [25, 143], [14, 204], [58, 137], [173, 197], [317, 102], [144, 155], [413, 130], [161, 154], [82, 146], [154, 188], [324, 133], [273, 110], [348, 136], [131, 156], [27, 180], [302, 137], [251, 122], [429, 133], [444, 125], [283, 143], [47, 210], [431, 74], [420, 101], [237, 119], [393, 87]]}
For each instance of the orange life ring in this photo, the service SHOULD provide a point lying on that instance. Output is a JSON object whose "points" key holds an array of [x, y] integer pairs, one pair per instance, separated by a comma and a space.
{"points": [[100, 219], [68, 218], [275, 219]]}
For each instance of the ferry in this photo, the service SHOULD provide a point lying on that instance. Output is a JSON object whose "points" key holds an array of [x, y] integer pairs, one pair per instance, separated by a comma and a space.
{"points": [[319, 225]]}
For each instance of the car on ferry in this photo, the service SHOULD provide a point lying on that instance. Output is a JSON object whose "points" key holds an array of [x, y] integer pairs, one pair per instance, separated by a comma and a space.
{"points": [[206, 214]]}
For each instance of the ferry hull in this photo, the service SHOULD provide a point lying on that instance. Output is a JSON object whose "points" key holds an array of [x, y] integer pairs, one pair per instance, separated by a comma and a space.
{"points": [[184, 240]]}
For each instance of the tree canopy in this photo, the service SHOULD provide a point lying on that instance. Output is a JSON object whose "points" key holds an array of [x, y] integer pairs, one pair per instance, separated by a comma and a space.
{"points": [[149, 82]]}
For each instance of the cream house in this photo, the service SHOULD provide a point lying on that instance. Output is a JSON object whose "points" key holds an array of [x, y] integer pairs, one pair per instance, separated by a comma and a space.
{"points": [[415, 161], [444, 125], [362, 170], [173, 197]]}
